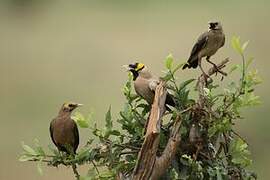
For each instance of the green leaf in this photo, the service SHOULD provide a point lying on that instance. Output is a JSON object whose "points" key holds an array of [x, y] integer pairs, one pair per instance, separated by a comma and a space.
{"points": [[115, 132], [219, 126], [235, 42], [88, 177], [108, 119], [106, 174], [38, 148], [235, 67], [39, 169], [239, 152], [97, 132], [249, 61], [29, 150], [219, 177], [80, 120], [83, 153], [90, 173], [169, 61], [25, 157], [167, 77], [185, 83], [177, 67], [53, 150], [244, 46]]}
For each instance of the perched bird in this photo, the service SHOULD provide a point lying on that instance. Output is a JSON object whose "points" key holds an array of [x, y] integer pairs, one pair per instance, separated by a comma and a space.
{"points": [[145, 83], [64, 131], [206, 46]]}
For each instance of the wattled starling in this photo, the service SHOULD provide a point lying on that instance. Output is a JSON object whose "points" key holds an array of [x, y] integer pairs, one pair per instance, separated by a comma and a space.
{"points": [[207, 45], [64, 131], [145, 83]]}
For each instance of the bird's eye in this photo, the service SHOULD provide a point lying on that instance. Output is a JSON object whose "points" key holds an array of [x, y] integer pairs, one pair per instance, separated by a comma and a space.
{"points": [[70, 105], [133, 66]]}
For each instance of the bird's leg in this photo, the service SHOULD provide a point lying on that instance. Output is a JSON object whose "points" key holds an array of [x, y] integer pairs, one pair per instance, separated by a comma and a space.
{"points": [[61, 154], [200, 65], [62, 157], [215, 66]]}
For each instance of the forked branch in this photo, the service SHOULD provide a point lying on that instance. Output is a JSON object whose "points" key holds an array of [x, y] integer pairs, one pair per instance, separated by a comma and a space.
{"points": [[149, 165]]}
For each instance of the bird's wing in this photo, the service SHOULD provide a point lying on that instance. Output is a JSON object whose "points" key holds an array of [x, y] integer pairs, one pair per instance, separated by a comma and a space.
{"points": [[76, 136], [153, 84], [223, 41], [170, 100], [199, 45], [51, 131]]}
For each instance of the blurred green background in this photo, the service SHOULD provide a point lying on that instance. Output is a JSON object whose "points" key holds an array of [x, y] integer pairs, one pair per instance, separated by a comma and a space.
{"points": [[58, 50]]}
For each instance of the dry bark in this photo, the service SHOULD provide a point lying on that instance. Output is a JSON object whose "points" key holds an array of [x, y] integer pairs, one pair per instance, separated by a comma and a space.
{"points": [[149, 166]]}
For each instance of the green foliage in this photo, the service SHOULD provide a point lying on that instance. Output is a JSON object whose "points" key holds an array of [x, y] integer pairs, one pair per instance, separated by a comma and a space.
{"points": [[236, 44], [217, 153], [239, 153], [81, 120]]}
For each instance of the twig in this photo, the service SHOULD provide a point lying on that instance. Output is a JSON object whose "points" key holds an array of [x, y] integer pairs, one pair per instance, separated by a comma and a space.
{"points": [[76, 173], [95, 166], [243, 73], [122, 145], [186, 110], [128, 152], [226, 145], [127, 146], [42, 160], [238, 135]]}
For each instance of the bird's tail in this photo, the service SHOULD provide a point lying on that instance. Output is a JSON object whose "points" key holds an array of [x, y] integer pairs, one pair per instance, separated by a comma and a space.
{"points": [[169, 101], [185, 66], [191, 63]]}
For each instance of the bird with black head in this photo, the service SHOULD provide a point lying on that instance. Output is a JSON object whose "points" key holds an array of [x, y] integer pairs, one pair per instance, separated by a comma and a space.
{"points": [[145, 83]]}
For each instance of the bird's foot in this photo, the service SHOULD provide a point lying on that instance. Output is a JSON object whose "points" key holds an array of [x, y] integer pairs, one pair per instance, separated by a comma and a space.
{"points": [[207, 78], [217, 70]]}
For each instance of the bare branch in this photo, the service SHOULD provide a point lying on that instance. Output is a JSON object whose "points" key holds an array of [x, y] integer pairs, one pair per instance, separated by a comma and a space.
{"points": [[164, 161], [147, 155], [75, 171], [149, 166]]}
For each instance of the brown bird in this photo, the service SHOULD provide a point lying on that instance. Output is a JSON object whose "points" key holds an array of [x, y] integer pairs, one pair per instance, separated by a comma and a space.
{"points": [[64, 131], [206, 46], [145, 83]]}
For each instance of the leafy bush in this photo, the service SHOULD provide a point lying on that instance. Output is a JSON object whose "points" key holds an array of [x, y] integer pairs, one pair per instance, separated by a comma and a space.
{"points": [[210, 147]]}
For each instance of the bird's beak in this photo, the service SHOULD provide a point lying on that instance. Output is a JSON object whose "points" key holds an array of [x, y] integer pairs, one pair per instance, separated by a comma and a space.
{"points": [[211, 25], [78, 105]]}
